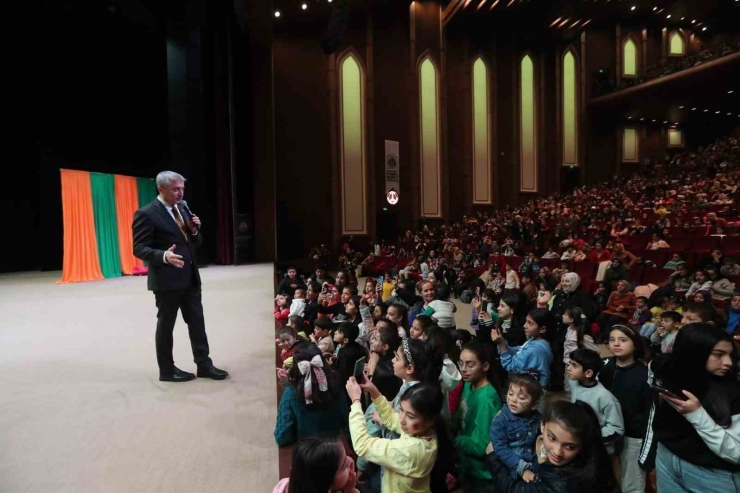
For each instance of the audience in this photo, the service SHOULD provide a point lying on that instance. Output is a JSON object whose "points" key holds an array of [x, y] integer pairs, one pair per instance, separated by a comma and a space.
{"points": [[645, 265]]}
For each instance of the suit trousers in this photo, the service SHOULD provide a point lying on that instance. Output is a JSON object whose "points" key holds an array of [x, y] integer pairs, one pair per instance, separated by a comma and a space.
{"points": [[189, 302]]}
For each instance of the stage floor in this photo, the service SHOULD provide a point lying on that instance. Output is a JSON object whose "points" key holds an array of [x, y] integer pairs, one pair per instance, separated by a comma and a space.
{"points": [[81, 407]]}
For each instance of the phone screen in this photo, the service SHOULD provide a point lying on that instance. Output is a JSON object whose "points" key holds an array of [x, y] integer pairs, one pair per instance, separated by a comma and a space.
{"points": [[668, 392], [359, 371]]}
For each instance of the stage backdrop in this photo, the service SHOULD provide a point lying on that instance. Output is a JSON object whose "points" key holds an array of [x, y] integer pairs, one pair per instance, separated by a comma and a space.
{"points": [[98, 210]]}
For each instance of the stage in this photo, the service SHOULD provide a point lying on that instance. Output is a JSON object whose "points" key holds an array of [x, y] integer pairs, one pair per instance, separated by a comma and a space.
{"points": [[81, 407]]}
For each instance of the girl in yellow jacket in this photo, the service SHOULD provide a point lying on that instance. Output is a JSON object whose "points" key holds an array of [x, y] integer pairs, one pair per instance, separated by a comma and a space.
{"points": [[408, 461]]}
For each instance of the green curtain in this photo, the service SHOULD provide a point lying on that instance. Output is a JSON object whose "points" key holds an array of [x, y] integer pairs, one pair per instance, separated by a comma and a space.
{"points": [[106, 225], [147, 190]]}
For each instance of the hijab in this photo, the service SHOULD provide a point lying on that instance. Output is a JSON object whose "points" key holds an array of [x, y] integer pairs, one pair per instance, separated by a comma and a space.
{"points": [[575, 281]]}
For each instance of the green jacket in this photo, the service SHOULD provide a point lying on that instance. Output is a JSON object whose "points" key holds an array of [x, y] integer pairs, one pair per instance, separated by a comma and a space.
{"points": [[471, 424]]}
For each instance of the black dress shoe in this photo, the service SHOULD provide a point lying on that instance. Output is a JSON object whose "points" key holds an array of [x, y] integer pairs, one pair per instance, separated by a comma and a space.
{"points": [[176, 375], [211, 372]]}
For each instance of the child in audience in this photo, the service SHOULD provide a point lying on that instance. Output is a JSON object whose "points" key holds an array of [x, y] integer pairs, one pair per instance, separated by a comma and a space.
{"points": [[282, 310], [497, 284], [349, 351], [570, 453], [387, 287], [322, 336], [398, 314], [666, 333], [508, 322], [319, 464], [699, 312], [600, 296], [298, 324], [648, 328], [701, 283], [733, 314], [287, 340], [672, 264], [478, 406], [550, 254], [619, 308], [407, 463], [730, 267], [516, 427], [298, 306], [536, 353], [311, 403], [512, 283], [442, 309], [641, 314], [582, 370], [442, 342], [544, 295], [419, 327], [576, 337], [626, 377], [384, 342]]}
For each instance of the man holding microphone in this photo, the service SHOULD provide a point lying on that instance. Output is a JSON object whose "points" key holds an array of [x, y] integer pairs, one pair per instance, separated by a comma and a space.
{"points": [[166, 234]]}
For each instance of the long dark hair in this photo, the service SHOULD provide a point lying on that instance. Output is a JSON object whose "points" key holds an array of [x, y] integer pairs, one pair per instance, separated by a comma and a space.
{"points": [[592, 468], [685, 369], [579, 321], [427, 400], [545, 318], [483, 354], [427, 363], [305, 351], [517, 303], [315, 463]]}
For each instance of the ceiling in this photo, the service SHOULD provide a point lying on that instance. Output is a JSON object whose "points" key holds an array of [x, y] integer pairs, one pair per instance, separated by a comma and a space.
{"points": [[566, 18]]}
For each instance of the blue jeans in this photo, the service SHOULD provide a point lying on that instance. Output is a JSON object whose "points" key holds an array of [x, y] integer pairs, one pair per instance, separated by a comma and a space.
{"points": [[675, 475], [648, 329]]}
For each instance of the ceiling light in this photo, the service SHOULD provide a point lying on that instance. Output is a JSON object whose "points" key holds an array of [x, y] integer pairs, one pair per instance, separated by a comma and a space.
{"points": [[665, 121], [277, 13], [655, 8], [680, 107], [703, 28], [642, 119], [682, 18], [729, 114], [633, 8], [654, 121], [706, 111], [668, 16], [716, 112], [730, 92], [693, 109], [304, 6], [676, 123], [693, 21]]}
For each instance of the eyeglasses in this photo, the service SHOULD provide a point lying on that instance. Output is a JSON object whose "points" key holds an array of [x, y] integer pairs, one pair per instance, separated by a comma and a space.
{"points": [[470, 365]]}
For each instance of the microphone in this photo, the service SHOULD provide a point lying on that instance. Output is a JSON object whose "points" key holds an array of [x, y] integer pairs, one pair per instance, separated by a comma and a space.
{"points": [[184, 204]]}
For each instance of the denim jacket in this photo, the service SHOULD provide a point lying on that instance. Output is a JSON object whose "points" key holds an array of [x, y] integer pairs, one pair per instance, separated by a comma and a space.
{"points": [[514, 437]]}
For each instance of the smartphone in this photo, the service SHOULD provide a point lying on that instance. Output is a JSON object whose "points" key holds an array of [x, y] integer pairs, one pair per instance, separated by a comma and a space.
{"points": [[324, 289], [359, 371], [668, 392], [484, 305]]}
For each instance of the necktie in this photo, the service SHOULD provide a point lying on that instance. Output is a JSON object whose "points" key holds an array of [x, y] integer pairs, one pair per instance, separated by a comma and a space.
{"points": [[180, 223]]}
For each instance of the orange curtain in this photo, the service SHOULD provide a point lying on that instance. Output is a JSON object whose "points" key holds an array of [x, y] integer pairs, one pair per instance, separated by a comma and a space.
{"points": [[127, 202], [80, 244]]}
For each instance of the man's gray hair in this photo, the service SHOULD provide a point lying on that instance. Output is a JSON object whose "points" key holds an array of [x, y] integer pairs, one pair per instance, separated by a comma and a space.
{"points": [[166, 177]]}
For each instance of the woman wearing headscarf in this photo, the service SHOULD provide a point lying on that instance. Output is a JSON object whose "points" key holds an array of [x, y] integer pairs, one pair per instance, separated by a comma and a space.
{"points": [[616, 272], [570, 294]]}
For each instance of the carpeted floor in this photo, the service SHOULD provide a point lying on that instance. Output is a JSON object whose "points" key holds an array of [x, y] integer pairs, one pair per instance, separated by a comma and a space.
{"points": [[81, 407]]}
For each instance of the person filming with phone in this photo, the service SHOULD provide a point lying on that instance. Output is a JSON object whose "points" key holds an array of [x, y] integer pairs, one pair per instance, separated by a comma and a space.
{"points": [[696, 414]]}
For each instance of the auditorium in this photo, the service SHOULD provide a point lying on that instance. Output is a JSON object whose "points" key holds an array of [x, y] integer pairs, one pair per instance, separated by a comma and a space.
{"points": [[372, 246]]}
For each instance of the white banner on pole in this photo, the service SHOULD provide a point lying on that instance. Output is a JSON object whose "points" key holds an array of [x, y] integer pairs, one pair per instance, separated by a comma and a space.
{"points": [[392, 175]]}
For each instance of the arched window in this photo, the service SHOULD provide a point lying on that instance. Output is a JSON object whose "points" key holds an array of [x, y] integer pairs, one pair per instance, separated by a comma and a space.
{"points": [[677, 45], [481, 134], [352, 142], [570, 109], [429, 134], [629, 58], [528, 126]]}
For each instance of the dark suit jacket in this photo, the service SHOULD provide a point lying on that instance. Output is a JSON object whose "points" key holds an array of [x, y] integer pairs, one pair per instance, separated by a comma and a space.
{"points": [[155, 231]]}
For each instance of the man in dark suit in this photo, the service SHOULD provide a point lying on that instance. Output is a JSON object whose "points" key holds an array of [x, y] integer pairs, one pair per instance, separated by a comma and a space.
{"points": [[166, 235]]}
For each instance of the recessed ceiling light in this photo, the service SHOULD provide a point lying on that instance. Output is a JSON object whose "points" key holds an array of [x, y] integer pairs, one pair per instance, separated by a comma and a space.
{"points": [[693, 21], [633, 8], [629, 118], [665, 121], [729, 114], [716, 112], [682, 18], [730, 92], [655, 8], [703, 28], [680, 107], [668, 16], [705, 111], [693, 109], [642, 119], [654, 121], [676, 123], [277, 13], [304, 6]]}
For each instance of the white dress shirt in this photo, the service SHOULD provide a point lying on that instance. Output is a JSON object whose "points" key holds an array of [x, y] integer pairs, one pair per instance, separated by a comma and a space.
{"points": [[172, 215]]}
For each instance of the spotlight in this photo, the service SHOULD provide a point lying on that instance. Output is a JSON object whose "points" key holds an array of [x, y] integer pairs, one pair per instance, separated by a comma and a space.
{"points": [[304, 6], [277, 13]]}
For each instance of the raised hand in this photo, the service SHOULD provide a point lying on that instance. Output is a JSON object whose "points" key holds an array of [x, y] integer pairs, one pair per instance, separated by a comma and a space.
{"points": [[174, 259]]}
